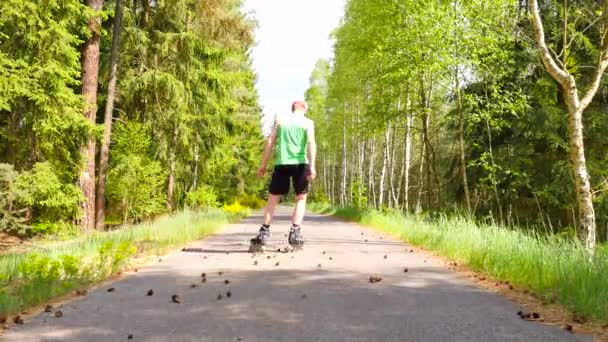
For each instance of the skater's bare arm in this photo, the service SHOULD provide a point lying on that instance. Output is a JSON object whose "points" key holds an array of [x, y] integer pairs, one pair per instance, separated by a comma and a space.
{"points": [[268, 147], [312, 151]]}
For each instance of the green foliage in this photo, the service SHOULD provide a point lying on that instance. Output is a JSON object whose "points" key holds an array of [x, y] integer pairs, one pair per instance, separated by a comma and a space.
{"points": [[203, 197], [58, 228], [417, 76], [51, 199], [185, 93], [40, 106], [135, 181], [196, 97], [136, 188], [252, 201], [359, 194], [12, 218], [113, 256]]}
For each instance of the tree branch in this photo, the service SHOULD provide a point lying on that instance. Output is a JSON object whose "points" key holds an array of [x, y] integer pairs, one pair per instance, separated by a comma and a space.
{"points": [[602, 62], [561, 76]]}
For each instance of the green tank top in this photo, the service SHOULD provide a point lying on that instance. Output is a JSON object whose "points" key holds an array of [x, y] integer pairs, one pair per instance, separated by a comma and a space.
{"points": [[292, 139]]}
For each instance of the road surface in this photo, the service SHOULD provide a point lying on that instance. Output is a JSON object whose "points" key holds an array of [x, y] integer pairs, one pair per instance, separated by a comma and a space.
{"points": [[322, 293]]}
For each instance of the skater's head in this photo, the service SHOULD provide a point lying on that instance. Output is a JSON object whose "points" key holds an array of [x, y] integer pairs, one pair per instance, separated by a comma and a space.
{"points": [[298, 107]]}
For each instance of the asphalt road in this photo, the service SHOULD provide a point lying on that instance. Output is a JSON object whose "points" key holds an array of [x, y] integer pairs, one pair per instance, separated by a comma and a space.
{"points": [[322, 293]]}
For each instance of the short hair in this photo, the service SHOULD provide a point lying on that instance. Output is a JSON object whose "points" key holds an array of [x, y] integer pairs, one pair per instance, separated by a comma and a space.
{"points": [[297, 103]]}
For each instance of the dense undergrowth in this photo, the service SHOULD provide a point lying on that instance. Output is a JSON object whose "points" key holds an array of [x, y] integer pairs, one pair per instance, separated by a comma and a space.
{"points": [[556, 269]]}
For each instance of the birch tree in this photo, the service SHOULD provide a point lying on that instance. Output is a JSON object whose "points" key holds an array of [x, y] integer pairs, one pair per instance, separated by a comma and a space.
{"points": [[576, 102]]}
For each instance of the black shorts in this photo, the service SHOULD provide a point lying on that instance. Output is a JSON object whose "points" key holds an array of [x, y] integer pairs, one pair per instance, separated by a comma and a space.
{"points": [[283, 174]]}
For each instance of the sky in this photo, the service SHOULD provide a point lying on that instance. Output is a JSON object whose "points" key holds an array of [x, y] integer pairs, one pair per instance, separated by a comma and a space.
{"points": [[291, 37]]}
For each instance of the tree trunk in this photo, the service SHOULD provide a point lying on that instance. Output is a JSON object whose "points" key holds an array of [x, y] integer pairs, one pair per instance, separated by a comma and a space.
{"points": [[400, 181], [332, 181], [344, 164], [581, 176], [172, 167], [325, 184], [494, 181], [430, 153], [384, 165], [418, 209], [90, 73], [361, 155], [146, 13], [408, 157], [196, 159], [463, 163], [328, 172], [107, 131], [370, 176], [394, 200], [427, 162]]}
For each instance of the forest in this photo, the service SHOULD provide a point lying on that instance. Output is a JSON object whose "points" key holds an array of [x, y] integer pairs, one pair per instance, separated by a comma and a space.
{"points": [[494, 110], [120, 111], [473, 129]]}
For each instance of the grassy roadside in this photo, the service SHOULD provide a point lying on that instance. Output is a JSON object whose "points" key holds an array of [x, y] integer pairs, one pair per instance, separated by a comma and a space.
{"points": [[36, 276], [554, 269]]}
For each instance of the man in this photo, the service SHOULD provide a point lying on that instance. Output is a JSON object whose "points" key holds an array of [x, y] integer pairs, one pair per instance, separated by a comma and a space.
{"points": [[294, 138]]}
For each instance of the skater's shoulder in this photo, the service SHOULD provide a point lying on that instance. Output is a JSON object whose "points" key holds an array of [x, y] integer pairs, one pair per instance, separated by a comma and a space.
{"points": [[307, 122]]}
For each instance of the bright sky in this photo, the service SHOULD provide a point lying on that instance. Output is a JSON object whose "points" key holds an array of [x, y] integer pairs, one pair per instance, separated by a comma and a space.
{"points": [[292, 36]]}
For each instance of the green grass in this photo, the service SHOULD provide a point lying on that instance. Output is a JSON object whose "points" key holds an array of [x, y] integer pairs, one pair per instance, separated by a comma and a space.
{"points": [[35, 276], [554, 269]]}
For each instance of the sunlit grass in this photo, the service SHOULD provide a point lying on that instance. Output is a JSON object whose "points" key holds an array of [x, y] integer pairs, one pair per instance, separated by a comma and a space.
{"points": [[35, 276], [552, 268]]}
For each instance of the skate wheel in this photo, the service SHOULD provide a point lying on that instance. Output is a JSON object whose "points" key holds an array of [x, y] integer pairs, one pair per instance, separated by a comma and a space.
{"points": [[256, 249]]}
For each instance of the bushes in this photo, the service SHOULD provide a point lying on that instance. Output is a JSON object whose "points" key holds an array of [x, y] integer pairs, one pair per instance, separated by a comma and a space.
{"points": [[12, 218], [234, 208], [206, 197], [136, 189], [135, 182], [52, 199], [51, 202], [252, 201], [203, 197]]}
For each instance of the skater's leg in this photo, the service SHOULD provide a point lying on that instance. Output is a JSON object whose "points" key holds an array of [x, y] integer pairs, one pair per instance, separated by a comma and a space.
{"points": [[273, 200], [258, 242], [299, 209], [300, 184], [296, 239]]}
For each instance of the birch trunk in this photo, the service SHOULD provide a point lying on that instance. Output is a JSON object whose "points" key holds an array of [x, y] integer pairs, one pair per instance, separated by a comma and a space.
{"points": [[324, 175], [408, 159], [370, 177], [384, 165], [420, 175], [463, 163], [394, 202], [196, 159], [344, 164]]}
